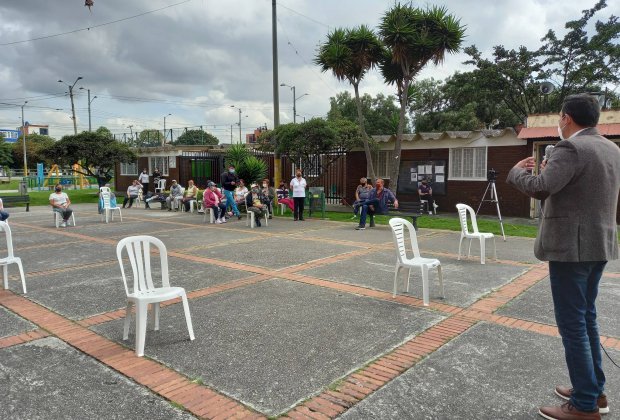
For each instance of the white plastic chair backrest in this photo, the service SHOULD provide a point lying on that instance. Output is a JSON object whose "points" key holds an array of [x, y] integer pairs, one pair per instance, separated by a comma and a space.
{"points": [[399, 227], [182, 189], [161, 184], [105, 196], [104, 189], [463, 210], [9, 238], [139, 252]]}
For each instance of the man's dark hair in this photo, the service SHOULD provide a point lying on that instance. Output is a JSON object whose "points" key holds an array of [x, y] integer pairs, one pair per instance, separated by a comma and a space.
{"points": [[583, 108]]}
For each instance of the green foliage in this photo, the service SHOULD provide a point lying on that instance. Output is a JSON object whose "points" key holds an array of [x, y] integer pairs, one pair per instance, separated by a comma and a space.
{"points": [[249, 167], [149, 138], [96, 153], [35, 144], [6, 153], [196, 137], [380, 113], [104, 132]]}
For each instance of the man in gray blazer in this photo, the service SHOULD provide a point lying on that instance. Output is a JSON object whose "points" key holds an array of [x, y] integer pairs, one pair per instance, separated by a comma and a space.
{"points": [[579, 187]]}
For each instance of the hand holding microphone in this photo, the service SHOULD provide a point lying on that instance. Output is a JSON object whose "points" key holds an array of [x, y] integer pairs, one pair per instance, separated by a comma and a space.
{"points": [[548, 151]]}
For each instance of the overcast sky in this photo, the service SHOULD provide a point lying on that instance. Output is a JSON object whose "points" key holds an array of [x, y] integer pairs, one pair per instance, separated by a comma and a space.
{"points": [[196, 59]]}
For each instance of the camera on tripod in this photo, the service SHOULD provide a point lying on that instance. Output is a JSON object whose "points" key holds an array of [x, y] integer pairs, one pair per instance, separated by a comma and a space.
{"points": [[492, 175]]}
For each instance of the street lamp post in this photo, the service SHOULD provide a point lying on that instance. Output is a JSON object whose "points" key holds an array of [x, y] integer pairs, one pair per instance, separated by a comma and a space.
{"points": [[295, 98], [72, 105], [164, 139], [24, 139], [90, 101], [239, 123]]}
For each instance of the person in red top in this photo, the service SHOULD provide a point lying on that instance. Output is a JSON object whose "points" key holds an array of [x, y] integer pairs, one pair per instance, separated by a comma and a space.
{"points": [[212, 198]]}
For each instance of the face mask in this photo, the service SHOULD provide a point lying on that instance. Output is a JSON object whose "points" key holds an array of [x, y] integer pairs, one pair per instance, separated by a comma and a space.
{"points": [[560, 132], [254, 190], [264, 185], [298, 175], [232, 171], [58, 189]]}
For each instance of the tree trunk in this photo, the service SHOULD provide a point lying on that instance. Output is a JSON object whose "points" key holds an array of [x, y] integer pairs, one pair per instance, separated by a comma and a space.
{"points": [[370, 170], [399, 137]]}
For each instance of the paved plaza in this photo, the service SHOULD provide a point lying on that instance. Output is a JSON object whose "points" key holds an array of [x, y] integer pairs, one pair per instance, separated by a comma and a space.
{"points": [[293, 320]]}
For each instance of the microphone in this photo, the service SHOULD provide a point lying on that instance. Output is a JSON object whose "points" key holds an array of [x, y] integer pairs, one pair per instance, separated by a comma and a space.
{"points": [[548, 151]]}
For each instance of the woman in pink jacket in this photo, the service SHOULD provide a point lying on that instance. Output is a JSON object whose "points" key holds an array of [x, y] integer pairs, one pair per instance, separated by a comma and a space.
{"points": [[213, 199]]}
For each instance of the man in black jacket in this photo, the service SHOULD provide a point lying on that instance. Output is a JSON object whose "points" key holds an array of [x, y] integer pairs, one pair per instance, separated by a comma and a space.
{"points": [[229, 183]]}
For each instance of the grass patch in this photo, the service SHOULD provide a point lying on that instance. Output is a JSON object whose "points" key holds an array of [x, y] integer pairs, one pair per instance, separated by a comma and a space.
{"points": [[13, 185], [177, 405]]}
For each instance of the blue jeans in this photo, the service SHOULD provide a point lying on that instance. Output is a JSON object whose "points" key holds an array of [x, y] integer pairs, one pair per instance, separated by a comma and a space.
{"points": [[366, 210], [3, 215], [230, 201], [574, 287]]}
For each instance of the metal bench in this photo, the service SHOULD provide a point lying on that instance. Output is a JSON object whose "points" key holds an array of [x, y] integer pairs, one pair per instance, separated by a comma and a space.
{"points": [[412, 209], [15, 199]]}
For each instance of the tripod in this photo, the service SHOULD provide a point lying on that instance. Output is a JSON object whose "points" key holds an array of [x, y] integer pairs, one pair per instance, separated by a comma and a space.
{"points": [[494, 199]]}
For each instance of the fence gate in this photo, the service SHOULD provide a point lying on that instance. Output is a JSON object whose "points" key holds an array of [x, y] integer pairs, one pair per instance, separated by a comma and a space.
{"points": [[202, 167]]}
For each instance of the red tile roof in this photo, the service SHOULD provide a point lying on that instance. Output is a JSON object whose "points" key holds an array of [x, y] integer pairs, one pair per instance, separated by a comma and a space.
{"points": [[539, 132]]}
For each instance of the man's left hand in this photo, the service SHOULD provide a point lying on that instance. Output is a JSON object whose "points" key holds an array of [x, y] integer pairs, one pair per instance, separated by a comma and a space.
{"points": [[527, 163], [396, 204]]}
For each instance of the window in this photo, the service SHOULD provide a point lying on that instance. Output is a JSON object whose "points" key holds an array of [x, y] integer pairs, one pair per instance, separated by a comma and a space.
{"points": [[129, 168], [382, 163], [159, 162], [468, 163]]}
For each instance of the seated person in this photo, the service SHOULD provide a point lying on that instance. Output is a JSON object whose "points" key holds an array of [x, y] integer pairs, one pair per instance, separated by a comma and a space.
{"points": [[132, 193], [361, 194], [240, 192], [60, 204], [212, 198], [269, 194], [282, 193], [254, 203], [190, 194], [377, 203], [426, 193], [174, 197], [3, 213]]}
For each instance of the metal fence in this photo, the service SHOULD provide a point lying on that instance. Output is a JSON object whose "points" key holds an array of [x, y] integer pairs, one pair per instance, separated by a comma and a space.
{"points": [[155, 138], [202, 167]]}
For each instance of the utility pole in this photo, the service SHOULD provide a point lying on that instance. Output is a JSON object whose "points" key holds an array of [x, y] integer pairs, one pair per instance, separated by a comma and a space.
{"points": [[24, 139], [231, 134], [277, 163], [130, 127], [72, 104], [164, 139], [239, 125]]}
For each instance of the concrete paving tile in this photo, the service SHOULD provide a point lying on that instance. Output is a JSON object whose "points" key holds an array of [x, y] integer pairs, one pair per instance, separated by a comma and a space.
{"points": [[278, 253], [275, 343], [536, 304], [64, 253], [89, 291], [47, 379], [464, 281], [377, 235], [11, 324], [489, 372], [201, 235]]}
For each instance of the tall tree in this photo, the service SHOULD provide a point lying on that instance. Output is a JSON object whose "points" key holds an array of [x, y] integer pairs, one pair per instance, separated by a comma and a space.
{"points": [[192, 137], [35, 144], [96, 154], [380, 113], [414, 37], [6, 152], [350, 54]]}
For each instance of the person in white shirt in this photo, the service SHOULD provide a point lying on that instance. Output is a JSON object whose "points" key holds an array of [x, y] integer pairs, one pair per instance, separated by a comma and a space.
{"points": [[132, 193], [298, 185], [60, 203], [144, 180]]}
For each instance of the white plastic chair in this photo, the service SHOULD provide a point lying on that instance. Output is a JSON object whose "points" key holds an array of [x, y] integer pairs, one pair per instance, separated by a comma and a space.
{"points": [[10, 258], [144, 291], [211, 213], [108, 210], [161, 185], [58, 219], [140, 198], [466, 234], [398, 232], [251, 220]]}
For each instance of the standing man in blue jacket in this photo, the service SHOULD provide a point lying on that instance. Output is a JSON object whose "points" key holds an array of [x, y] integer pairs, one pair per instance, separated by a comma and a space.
{"points": [[229, 182]]}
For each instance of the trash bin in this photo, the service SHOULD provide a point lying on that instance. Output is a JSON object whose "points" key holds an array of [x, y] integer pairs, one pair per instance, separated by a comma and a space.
{"points": [[22, 188], [316, 198]]}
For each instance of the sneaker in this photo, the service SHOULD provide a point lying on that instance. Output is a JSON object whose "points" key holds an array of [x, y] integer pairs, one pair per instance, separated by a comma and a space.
{"points": [[258, 223], [146, 206], [270, 217], [360, 228], [63, 224], [430, 212], [567, 411], [230, 213], [218, 221], [566, 392], [223, 220], [239, 217]]}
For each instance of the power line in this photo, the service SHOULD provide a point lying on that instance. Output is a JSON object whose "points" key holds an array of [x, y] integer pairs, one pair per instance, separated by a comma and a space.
{"points": [[94, 26], [304, 16]]}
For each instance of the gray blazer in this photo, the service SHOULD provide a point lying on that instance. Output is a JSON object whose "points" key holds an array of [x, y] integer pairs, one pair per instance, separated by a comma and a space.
{"points": [[579, 186]]}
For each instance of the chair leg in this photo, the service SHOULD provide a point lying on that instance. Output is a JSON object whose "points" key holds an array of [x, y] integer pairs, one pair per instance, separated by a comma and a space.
{"points": [[156, 316], [21, 274], [120, 215], [460, 244], [141, 316], [266, 218], [494, 249], [469, 249], [188, 318], [482, 250], [127, 320], [5, 274], [408, 277], [425, 297], [440, 277], [396, 278]]}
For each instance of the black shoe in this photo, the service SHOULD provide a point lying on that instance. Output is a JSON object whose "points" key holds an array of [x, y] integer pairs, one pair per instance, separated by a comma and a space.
{"points": [[295, 219], [270, 217], [239, 217], [258, 223], [146, 206], [360, 228], [372, 223], [302, 219]]}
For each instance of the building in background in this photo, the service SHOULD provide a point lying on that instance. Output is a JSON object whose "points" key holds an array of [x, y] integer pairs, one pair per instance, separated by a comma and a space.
{"points": [[253, 137], [35, 129], [10, 136]]}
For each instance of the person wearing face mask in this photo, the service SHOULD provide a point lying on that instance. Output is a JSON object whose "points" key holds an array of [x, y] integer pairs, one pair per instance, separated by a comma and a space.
{"points": [[298, 185], [144, 180], [283, 197], [254, 203], [132, 193], [269, 194], [577, 237], [213, 198], [426, 193], [229, 183], [361, 195], [377, 203], [60, 203]]}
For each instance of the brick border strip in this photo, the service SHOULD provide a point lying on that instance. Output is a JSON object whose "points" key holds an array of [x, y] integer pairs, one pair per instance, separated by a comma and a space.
{"points": [[166, 382], [22, 338]]}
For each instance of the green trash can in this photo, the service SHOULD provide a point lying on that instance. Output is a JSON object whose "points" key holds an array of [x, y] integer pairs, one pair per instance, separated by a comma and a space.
{"points": [[316, 200]]}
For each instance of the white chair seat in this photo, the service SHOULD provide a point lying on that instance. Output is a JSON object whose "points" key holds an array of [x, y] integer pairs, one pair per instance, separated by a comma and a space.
{"points": [[157, 295], [58, 219]]}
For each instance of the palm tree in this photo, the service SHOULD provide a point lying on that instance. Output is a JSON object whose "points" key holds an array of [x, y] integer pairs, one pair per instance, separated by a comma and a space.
{"points": [[350, 54], [413, 38]]}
